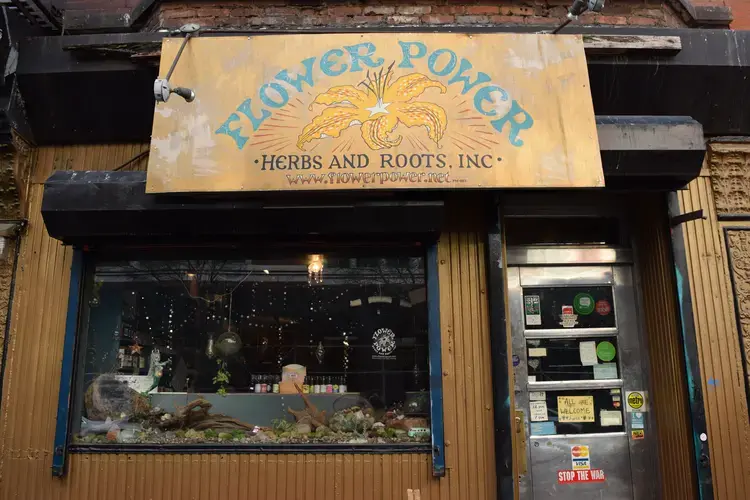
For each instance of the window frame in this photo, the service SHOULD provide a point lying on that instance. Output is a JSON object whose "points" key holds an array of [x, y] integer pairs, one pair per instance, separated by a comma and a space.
{"points": [[82, 272]]}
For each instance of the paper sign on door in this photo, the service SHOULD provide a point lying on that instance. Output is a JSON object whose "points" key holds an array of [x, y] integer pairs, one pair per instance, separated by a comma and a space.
{"points": [[575, 409]]}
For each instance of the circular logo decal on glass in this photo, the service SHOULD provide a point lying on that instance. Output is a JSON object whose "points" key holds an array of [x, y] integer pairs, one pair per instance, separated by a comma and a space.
{"points": [[583, 303], [605, 351], [384, 341], [603, 308]]}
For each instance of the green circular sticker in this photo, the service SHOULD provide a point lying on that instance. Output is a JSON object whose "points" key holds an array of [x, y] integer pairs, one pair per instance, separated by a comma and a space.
{"points": [[584, 304], [605, 351]]}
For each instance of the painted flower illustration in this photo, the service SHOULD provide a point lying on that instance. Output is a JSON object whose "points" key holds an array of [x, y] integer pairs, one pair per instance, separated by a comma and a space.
{"points": [[378, 109]]}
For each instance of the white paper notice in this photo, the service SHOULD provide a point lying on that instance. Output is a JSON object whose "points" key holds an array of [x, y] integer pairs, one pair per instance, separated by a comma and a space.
{"points": [[538, 410], [537, 352], [537, 396], [610, 418], [532, 378], [605, 371], [587, 351]]}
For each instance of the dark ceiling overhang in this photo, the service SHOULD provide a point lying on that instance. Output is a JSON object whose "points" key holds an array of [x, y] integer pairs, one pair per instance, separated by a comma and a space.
{"points": [[91, 207], [96, 207], [73, 95]]}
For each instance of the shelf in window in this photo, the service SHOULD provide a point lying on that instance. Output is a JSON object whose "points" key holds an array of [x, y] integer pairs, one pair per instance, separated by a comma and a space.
{"points": [[570, 332], [615, 383]]}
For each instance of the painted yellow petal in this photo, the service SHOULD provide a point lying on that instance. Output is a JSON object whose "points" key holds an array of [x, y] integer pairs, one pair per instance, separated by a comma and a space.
{"points": [[410, 86], [375, 132], [330, 123], [345, 94], [426, 114]]}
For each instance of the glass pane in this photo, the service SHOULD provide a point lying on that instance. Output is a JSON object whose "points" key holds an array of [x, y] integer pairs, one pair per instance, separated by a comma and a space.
{"points": [[580, 411], [307, 349], [568, 307], [559, 359]]}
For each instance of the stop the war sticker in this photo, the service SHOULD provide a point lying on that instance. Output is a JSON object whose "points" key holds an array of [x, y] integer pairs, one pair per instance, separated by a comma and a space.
{"points": [[580, 476]]}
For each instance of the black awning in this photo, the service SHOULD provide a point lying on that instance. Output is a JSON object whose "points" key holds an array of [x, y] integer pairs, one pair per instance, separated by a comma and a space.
{"points": [[85, 208], [650, 152]]}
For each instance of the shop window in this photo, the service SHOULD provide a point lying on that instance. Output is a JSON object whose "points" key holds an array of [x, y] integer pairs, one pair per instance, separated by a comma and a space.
{"points": [[582, 411], [547, 308], [310, 349]]}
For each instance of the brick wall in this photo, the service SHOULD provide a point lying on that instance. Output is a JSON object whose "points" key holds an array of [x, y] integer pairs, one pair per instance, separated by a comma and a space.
{"points": [[741, 13], [366, 14]]}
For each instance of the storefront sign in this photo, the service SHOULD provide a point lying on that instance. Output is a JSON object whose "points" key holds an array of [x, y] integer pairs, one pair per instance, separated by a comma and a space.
{"points": [[376, 111], [575, 409], [580, 476]]}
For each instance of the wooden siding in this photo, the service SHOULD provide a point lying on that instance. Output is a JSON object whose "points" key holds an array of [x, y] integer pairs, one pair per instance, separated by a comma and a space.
{"points": [[29, 401], [718, 346], [668, 388]]}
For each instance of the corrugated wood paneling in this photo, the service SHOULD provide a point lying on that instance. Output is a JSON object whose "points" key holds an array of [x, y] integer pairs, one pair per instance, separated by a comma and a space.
{"points": [[669, 397], [718, 346], [32, 380]]}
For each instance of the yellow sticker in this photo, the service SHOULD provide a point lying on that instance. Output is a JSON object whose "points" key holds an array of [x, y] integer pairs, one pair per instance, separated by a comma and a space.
{"points": [[635, 400], [575, 409], [637, 434]]}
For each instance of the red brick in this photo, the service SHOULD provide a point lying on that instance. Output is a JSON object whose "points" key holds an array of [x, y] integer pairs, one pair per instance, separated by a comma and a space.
{"points": [[508, 19], [414, 9], [313, 20], [438, 19], [181, 14], [643, 21], [267, 21], [608, 20], [517, 11], [380, 9], [281, 11], [482, 9], [213, 12], [345, 10], [557, 12], [448, 9], [403, 20], [473, 19]]}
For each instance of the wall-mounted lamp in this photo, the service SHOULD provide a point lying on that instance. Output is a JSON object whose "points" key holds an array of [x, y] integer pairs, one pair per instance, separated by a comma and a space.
{"points": [[578, 8], [9, 230], [162, 87]]}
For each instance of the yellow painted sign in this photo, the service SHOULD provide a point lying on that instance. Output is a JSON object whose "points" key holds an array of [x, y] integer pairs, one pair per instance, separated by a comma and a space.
{"points": [[376, 111], [575, 409]]}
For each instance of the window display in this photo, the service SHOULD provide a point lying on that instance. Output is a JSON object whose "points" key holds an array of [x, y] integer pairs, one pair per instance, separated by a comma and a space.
{"points": [[303, 349]]}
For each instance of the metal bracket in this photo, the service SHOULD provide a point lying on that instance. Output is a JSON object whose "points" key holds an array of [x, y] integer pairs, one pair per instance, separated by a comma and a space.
{"points": [[162, 88], [686, 217]]}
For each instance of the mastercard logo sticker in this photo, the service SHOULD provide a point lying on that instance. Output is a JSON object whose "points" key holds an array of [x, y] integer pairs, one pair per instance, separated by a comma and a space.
{"points": [[579, 451]]}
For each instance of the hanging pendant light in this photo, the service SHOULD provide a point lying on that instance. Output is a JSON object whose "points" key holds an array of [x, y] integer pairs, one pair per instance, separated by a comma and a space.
{"points": [[315, 269]]}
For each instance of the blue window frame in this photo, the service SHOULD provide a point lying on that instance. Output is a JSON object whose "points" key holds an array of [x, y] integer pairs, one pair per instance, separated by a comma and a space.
{"points": [[368, 322]]}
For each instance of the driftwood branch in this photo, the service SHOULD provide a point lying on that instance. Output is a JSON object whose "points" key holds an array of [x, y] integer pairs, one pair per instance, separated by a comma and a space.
{"points": [[195, 415]]}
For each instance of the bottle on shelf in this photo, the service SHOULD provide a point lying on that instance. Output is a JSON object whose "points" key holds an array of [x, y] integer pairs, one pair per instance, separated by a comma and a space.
{"points": [[316, 386], [342, 385], [263, 385], [336, 385], [329, 385], [306, 386], [257, 384], [276, 380], [252, 384]]}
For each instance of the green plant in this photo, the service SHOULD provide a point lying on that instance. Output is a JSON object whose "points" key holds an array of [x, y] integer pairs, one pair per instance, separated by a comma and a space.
{"points": [[210, 434], [221, 378], [280, 425], [238, 434]]}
